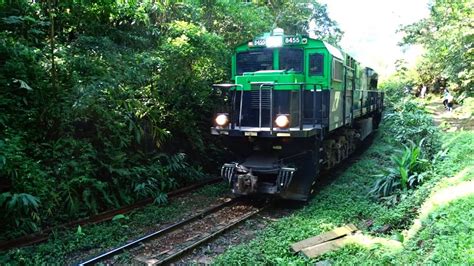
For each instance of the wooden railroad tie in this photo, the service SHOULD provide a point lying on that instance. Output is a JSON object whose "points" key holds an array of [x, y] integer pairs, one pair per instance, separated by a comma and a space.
{"points": [[337, 238]]}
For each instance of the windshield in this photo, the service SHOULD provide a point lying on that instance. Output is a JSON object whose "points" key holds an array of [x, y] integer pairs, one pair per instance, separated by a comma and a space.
{"points": [[255, 60], [291, 59]]}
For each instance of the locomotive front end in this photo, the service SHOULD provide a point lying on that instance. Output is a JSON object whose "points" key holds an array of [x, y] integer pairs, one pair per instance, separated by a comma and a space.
{"points": [[264, 125], [269, 119]]}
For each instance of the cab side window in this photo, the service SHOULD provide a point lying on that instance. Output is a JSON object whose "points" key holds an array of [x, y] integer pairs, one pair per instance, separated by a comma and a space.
{"points": [[316, 64]]}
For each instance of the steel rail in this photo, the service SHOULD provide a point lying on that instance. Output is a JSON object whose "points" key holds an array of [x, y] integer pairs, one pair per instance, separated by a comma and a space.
{"points": [[186, 249], [158, 233], [107, 215]]}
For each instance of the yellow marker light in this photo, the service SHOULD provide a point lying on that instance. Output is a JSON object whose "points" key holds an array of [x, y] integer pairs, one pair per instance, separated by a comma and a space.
{"points": [[282, 121], [222, 120]]}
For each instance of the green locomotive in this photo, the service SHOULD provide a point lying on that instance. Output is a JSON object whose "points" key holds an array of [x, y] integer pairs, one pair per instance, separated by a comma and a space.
{"points": [[297, 105]]}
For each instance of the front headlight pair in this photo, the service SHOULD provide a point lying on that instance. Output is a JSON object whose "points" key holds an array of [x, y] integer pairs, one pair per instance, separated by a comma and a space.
{"points": [[281, 121]]}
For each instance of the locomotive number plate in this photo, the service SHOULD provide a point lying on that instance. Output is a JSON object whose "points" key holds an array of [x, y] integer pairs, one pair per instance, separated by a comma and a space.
{"points": [[292, 40], [259, 42]]}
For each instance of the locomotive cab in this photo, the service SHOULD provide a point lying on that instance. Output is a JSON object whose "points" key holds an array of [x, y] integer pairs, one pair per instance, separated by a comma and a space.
{"points": [[290, 112]]}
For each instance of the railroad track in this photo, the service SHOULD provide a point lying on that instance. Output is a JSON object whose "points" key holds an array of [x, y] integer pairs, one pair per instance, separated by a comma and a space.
{"points": [[108, 215], [168, 244], [162, 247]]}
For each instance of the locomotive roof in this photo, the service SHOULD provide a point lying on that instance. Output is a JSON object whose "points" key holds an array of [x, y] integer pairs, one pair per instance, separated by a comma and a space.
{"points": [[333, 50]]}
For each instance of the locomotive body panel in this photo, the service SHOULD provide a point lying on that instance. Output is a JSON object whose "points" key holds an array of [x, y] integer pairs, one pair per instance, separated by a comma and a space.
{"points": [[336, 117]]}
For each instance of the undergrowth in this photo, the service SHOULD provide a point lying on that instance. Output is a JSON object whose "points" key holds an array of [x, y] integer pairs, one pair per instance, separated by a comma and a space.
{"points": [[76, 244], [446, 238], [346, 201]]}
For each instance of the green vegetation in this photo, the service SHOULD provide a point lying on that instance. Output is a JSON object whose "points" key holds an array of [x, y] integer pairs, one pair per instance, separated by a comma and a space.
{"points": [[446, 237], [346, 201], [409, 171], [413, 128], [103, 103], [106, 102], [447, 37], [408, 122], [76, 244]]}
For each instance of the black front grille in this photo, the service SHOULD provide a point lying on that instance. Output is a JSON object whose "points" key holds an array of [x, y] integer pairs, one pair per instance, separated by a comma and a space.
{"points": [[255, 99]]}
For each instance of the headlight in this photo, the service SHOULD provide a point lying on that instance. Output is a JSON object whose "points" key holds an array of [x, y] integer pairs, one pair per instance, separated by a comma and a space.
{"points": [[222, 120], [282, 121]]}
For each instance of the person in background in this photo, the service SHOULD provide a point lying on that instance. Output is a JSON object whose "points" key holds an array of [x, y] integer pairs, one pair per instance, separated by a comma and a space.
{"points": [[423, 91], [406, 90], [448, 100]]}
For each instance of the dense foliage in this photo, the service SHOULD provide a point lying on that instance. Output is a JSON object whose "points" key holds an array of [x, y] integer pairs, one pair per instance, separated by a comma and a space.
{"points": [[105, 102], [411, 126], [408, 123], [447, 34]]}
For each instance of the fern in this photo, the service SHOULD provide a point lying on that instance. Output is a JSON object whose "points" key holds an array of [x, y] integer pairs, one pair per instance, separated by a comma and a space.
{"points": [[21, 208]]}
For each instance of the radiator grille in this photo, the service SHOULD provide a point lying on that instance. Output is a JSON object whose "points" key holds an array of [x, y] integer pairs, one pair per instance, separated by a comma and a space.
{"points": [[255, 96]]}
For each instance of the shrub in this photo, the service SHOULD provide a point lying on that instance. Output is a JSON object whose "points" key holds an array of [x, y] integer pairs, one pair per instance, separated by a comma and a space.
{"points": [[112, 124], [409, 170], [21, 209], [407, 122]]}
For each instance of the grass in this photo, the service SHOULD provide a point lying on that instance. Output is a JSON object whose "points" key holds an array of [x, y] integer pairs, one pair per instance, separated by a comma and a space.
{"points": [[447, 236], [71, 246], [346, 201]]}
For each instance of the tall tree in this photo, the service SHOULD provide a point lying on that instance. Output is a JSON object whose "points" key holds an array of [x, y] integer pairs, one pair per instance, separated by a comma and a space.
{"points": [[448, 37], [300, 16]]}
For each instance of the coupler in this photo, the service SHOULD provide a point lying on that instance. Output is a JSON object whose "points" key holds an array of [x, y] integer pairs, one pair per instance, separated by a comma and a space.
{"points": [[244, 182]]}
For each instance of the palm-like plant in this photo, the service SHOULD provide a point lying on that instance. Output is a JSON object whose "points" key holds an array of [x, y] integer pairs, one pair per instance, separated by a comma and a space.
{"points": [[408, 171]]}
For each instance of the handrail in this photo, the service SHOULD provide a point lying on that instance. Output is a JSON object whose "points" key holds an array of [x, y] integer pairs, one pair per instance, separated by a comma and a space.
{"points": [[271, 86], [260, 106], [314, 106], [240, 107], [229, 86], [271, 109], [285, 84], [301, 103]]}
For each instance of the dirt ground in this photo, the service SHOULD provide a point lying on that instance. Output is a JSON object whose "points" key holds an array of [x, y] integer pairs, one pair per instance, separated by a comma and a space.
{"points": [[460, 118]]}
